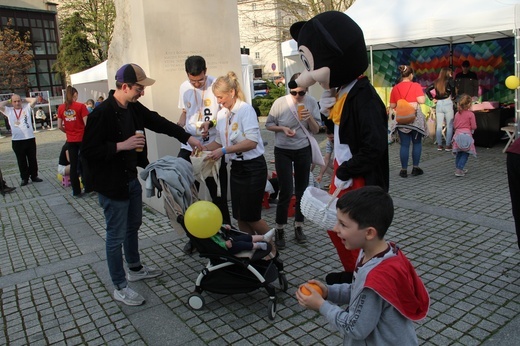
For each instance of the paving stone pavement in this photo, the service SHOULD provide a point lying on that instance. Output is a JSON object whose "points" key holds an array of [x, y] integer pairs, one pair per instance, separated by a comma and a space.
{"points": [[55, 288]]}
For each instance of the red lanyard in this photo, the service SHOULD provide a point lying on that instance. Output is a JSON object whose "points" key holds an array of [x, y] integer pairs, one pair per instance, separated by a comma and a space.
{"points": [[18, 115]]}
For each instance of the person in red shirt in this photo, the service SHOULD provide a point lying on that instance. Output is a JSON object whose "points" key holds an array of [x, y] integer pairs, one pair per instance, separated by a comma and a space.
{"points": [[414, 132], [72, 117]]}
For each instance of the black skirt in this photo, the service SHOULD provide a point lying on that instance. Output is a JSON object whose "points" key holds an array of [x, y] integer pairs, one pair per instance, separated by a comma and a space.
{"points": [[247, 182]]}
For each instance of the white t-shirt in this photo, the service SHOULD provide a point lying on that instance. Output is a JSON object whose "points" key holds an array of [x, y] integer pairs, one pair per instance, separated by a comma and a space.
{"points": [[238, 125], [281, 114], [21, 122], [200, 105]]}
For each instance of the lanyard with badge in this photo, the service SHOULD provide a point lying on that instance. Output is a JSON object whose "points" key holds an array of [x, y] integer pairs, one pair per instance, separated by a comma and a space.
{"points": [[18, 115]]}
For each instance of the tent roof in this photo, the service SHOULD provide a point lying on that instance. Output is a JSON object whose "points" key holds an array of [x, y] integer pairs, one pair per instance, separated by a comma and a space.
{"points": [[93, 74], [402, 24]]}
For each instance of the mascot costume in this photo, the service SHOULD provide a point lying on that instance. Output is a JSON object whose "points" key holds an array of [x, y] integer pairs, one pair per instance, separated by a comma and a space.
{"points": [[332, 48]]}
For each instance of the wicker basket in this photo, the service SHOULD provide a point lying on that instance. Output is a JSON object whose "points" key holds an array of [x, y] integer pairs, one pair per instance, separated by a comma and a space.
{"points": [[319, 207]]}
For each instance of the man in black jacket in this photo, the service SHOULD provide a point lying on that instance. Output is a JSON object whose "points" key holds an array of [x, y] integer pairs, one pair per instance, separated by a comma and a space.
{"points": [[114, 151]]}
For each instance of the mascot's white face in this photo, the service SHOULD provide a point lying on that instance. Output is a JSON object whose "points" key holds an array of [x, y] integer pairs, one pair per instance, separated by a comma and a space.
{"points": [[310, 75], [332, 48]]}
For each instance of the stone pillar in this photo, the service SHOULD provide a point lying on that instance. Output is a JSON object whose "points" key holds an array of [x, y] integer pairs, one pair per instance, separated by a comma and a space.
{"points": [[159, 35]]}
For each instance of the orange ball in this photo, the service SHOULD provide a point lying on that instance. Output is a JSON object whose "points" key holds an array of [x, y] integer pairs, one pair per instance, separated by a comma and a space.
{"points": [[307, 292]]}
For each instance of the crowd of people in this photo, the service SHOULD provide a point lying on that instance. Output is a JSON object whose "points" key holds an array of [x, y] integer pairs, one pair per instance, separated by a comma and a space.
{"points": [[105, 143]]}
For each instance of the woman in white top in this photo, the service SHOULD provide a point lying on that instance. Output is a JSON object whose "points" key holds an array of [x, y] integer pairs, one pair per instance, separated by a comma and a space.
{"points": [[292, 153], [238, 137]]}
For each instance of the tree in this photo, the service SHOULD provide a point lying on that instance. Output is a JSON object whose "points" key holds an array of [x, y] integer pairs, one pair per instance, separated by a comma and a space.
{"points": [[75, 53], [265, 24], [272, 18], [16, 57], [98, 17]]}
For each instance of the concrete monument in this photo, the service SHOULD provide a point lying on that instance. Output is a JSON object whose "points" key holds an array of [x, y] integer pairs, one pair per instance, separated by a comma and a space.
{"points": [[159, 35]]}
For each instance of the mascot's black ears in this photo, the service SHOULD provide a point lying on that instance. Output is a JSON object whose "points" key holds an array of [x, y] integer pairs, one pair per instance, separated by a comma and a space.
{"points": [[322, 32], [335, 41]]}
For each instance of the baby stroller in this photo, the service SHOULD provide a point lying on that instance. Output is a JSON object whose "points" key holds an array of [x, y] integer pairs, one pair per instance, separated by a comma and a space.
{"points": [[228, 274], [224, 273]]}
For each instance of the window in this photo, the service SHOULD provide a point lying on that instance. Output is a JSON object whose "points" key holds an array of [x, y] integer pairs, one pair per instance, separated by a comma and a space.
{"points": [[50, 35], [256, 39], [255, 23], [45, 79], [52, 48], [257, 55], [41, 66], [253, 6], [39, 48], [37, 34], [31, 78], [44, 39]]}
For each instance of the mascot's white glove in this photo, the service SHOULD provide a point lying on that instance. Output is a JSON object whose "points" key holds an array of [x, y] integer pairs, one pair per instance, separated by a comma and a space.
{"points": [[328, 99]]}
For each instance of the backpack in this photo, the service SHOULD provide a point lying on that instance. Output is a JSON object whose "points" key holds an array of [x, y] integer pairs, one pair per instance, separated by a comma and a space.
{"points": [[405, 113]]}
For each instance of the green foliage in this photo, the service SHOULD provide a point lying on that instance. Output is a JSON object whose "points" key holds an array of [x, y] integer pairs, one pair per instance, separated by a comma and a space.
{"points": [[264, 103], [98, 17], [75, 53], [16, 59]]}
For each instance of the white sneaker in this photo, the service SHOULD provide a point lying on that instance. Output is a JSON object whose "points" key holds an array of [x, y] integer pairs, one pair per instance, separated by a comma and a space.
{"points": [[144, 273], [269, 235], [128, 296]]}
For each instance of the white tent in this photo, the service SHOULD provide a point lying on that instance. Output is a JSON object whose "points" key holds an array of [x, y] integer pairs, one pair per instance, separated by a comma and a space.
{"points": [[406, 24], [91, 83], [418, 23]]}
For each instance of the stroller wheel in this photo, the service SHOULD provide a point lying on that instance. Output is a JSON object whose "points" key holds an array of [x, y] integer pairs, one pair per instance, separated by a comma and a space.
{"points": [[271, 309], [196, 301], [283, 282]]}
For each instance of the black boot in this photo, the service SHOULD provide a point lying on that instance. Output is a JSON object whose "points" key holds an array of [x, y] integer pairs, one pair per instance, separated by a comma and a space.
{"points": [[5, 189], [298, 234], [279, 240]]}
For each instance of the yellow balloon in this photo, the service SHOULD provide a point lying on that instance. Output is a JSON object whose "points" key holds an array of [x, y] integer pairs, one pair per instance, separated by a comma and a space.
{"points": [[512, 82], [203, 219]]}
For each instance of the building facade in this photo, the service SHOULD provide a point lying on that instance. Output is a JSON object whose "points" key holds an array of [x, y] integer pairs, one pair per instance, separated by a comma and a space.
{"points": [[262, 29], [39, 17]]}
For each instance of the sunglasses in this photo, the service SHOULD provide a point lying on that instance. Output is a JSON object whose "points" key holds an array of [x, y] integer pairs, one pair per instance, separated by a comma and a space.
{"points": [[301, 93]]}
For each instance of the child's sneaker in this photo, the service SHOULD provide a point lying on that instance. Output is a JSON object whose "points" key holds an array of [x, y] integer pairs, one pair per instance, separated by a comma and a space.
{"points": [[144, 273], [128, 296], [459, 173], [269, 235]]}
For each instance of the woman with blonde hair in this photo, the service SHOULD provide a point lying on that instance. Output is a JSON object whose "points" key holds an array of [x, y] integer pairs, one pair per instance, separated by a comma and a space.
{"points": [[72, 117], [444, 94], [239, 139]]}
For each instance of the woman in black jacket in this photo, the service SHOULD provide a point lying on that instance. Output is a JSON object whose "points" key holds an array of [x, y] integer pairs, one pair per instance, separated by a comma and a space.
{"points": [[444, 94]]}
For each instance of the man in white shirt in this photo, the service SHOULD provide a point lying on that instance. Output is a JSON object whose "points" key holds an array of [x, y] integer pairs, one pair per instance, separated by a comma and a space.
{"points": [[19, 115], [199, 115]]}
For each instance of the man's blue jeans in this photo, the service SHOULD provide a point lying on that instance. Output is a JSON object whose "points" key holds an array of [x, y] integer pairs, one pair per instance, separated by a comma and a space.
{"points": [[123, 219]]}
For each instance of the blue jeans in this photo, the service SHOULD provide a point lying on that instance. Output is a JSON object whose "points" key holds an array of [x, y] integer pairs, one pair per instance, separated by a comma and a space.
{"points": [[123, 219], [460, 159], [284, 160], [444, 110], [416, 139]]}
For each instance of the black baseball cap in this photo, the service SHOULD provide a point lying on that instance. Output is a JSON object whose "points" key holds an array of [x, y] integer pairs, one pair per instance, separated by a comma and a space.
{"points": [[132, 73]]}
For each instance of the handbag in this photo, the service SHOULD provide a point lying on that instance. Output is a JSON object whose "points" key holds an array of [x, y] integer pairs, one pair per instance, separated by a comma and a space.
{"points": [[317, 157], [431, 127]]}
